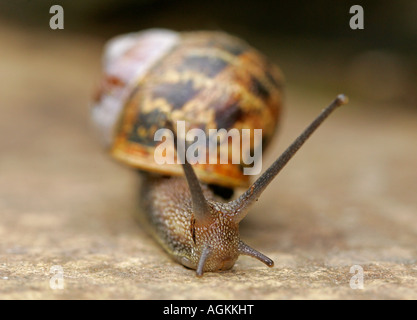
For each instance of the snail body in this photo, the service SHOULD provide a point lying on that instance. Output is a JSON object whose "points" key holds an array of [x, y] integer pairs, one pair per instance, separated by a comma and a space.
{"points": [[157, 77]]}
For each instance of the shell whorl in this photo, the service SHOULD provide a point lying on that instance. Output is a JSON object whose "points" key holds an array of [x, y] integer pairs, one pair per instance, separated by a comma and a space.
{"points": [[127, 59]]}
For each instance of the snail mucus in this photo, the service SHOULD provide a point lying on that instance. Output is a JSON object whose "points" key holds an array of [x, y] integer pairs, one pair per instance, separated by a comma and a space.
{"points": [[154, 78]]}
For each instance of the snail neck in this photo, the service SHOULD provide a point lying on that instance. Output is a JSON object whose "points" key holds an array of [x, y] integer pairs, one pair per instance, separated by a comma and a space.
{"points": [[169, 214]]}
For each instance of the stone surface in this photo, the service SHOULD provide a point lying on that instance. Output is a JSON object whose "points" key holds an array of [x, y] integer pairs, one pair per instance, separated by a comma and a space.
{"points": [[348, 198]]}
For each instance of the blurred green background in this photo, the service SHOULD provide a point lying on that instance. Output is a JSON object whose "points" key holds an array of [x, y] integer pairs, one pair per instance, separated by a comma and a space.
{"points": [[311, 40]]}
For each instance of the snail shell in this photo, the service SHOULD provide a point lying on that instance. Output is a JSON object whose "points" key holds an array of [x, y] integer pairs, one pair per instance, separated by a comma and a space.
{"points": [[211, 80]]}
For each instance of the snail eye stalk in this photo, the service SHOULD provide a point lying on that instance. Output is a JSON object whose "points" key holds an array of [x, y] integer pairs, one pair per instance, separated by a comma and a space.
{"points": [[201, 208], [241, 205]]}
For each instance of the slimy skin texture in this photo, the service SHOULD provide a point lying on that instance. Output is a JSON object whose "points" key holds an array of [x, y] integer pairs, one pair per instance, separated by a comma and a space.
{"points": [[168, 213]]}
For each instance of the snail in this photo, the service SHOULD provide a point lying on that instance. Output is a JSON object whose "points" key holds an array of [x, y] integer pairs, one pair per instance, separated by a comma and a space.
{"points": [[210, 80]]}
